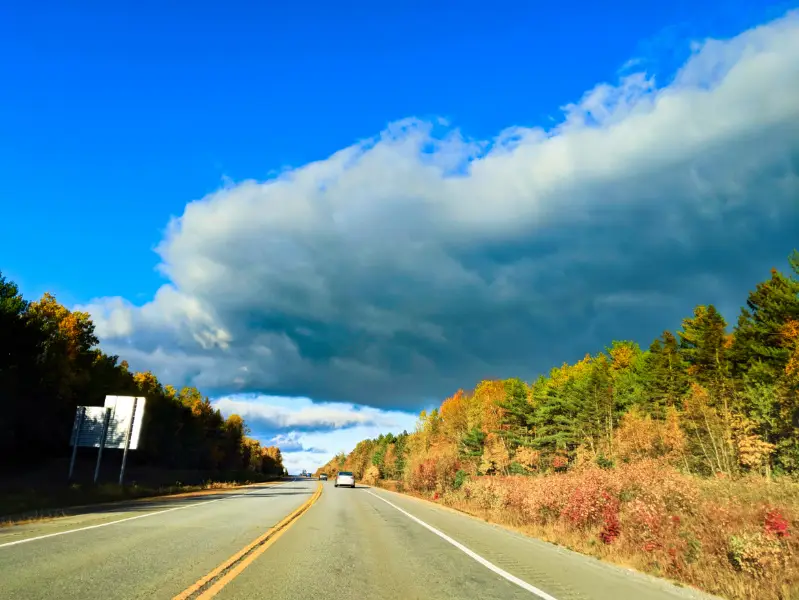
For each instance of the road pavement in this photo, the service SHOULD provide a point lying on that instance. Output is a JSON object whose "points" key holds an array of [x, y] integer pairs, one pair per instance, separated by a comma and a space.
{"points": [[359, 543], [153, 554]]}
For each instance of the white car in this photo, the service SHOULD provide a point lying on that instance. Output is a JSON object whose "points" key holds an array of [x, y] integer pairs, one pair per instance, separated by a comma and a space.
{"points": [[345, 478], [323, 477]]}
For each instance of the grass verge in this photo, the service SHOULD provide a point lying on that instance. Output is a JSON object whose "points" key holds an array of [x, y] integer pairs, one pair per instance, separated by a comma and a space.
{"points": [[732, 538]]}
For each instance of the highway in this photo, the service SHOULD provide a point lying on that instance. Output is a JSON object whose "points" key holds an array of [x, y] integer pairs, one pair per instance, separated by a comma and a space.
{"points": [[360, 543]]}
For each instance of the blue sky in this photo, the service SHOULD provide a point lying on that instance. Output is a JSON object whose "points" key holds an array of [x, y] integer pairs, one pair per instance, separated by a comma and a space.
{"points": [[117, 114], [115, 117]]}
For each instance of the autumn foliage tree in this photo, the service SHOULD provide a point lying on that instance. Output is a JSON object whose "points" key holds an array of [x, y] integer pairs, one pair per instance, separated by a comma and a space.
{"points": [[50, 363], [704, 399]]}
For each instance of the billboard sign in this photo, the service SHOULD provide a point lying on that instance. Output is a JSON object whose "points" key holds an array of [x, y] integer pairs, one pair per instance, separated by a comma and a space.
{"points": [[122, 412], [122, 408]]}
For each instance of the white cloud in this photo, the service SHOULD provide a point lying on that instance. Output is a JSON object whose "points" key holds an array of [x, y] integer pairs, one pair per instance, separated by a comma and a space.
{"points": [[388, 275], [274, 413], [287, 442], [310, 434]]}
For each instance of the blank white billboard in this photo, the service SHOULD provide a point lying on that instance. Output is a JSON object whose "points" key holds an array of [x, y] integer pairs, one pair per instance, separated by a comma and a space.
{"points": [[91, 431], [121, 414]]}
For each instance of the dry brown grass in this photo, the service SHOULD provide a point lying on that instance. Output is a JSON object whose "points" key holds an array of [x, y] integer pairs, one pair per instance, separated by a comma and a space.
{"points": [[736, 538]]}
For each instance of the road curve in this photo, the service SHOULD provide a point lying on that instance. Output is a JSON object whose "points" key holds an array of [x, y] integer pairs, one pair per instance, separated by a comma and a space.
{"points": [[359, 543]]}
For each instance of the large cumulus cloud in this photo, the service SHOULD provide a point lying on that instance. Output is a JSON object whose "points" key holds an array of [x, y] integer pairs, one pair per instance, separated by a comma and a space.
{"points": [[417, 262], [311, 433], [271, 415]]}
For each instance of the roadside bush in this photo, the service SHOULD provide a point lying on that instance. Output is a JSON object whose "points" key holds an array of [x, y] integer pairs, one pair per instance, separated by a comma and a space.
{"points": [[755, 553], [421, 477], [729, 537], [433, 474], [372, 475], [460, 478]]}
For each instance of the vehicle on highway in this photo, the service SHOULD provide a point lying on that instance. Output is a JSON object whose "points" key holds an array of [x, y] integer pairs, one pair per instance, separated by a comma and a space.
{"points": [[345, 478], [323, 477]]}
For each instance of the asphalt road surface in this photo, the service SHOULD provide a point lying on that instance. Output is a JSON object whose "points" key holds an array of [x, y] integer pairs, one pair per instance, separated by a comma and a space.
{"points": [[360, 543]]}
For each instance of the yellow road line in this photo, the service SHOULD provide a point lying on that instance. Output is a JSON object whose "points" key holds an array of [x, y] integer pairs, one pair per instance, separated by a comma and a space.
{"points": [[210, 585]]}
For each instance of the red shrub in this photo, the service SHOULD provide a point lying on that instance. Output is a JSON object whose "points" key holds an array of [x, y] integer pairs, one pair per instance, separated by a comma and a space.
{"points": [[611, 528], [591, 500], [424, 476], [776, 525], [651, 546], [712, 533]]}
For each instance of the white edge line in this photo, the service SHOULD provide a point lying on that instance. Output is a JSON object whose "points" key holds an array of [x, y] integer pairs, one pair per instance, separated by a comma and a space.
{"points": [[151, 514], [489, 565]]}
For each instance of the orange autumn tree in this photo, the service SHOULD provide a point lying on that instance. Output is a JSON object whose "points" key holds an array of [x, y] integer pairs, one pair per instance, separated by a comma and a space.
{"points": [[454, 416]]}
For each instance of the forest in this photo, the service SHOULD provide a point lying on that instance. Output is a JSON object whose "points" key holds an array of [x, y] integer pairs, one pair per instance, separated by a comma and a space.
{"points": [[50, 363], [681, 459]]}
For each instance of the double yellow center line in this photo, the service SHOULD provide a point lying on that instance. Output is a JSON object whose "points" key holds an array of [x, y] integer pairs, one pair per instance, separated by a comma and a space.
{"points": [[210, 585]]}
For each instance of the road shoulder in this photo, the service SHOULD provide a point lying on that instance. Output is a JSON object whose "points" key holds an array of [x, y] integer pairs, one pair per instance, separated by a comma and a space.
{"points": [[50, 514], [105, 514], [562, 558]]}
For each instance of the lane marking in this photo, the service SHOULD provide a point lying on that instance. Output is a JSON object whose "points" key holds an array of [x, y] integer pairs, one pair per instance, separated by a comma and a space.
{"points": [[210, 585], [489, 565], [151, 514]]}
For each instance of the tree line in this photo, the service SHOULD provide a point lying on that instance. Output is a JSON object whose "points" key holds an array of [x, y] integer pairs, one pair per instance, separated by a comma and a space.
{"points": [[50, 363], [708, 399]]}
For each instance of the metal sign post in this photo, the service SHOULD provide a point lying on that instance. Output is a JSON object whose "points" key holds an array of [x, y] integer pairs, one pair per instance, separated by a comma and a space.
{"points": [[116, 425], [127, 442], [76, 431], [102, 443]]}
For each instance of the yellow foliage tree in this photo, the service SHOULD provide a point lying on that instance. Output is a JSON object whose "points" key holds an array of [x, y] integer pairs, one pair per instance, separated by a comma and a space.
{"points": [[674, 437], [372, 475], [75, 329], [528, 458], [390, 462], [636, 437], [454, 416], [622, 356], [488, 395], [708, 432], [496, 458], [147, 382], [753, 451]]}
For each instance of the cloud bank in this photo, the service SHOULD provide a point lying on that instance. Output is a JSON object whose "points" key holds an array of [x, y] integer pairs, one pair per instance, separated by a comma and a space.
{"points": [[420, 261], [310, 434], [264, 413]]}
